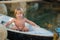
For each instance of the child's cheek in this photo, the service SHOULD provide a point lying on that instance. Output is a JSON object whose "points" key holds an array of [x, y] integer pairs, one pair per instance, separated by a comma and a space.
{"points": [[21, 15]]}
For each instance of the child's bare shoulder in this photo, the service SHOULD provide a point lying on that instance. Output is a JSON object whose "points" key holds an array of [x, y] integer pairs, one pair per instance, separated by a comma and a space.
{"points": [[25, 18], [12, 19]]}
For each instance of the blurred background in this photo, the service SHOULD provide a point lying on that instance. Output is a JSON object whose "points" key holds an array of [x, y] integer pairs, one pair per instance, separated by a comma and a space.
{"points": [[45, 13]]}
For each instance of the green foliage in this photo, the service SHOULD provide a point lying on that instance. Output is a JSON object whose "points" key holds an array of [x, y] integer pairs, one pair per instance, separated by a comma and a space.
{"points": [[41, 16]]}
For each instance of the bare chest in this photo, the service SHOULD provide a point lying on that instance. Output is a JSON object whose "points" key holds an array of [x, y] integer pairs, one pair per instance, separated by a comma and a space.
{"points": [[20, 22]]}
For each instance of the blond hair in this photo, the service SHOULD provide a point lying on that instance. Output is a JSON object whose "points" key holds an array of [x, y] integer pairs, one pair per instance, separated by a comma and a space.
{"points": [[15, 12]]}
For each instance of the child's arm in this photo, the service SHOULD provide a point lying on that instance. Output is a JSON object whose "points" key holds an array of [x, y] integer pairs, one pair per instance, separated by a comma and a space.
{"points": [[8, 23], [30, 22]]}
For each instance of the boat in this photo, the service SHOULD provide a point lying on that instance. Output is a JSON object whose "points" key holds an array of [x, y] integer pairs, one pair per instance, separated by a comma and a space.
{"points": [[34, 33]]}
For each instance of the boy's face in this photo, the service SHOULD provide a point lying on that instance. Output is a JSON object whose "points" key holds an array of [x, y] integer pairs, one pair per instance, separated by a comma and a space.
{"points": [[19, 14]]}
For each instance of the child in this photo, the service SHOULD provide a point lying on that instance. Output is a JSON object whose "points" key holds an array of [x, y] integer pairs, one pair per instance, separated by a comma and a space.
{"points": [[20, 20]]}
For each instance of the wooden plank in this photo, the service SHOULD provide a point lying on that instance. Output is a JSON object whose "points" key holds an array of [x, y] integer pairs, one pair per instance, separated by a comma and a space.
{"points": [[19, 1], [9, 1]]}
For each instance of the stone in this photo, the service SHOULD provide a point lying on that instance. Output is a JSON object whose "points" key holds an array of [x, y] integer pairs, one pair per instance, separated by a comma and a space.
{"points": [[3, 9], [3, 32]]}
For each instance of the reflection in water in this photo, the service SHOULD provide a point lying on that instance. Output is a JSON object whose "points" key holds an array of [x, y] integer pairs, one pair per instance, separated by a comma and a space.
{"points": [[3, 9]]}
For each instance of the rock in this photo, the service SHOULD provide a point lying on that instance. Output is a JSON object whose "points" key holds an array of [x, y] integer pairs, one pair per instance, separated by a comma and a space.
{"points": [[3, 32], [59, 38], [3, 9]]}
